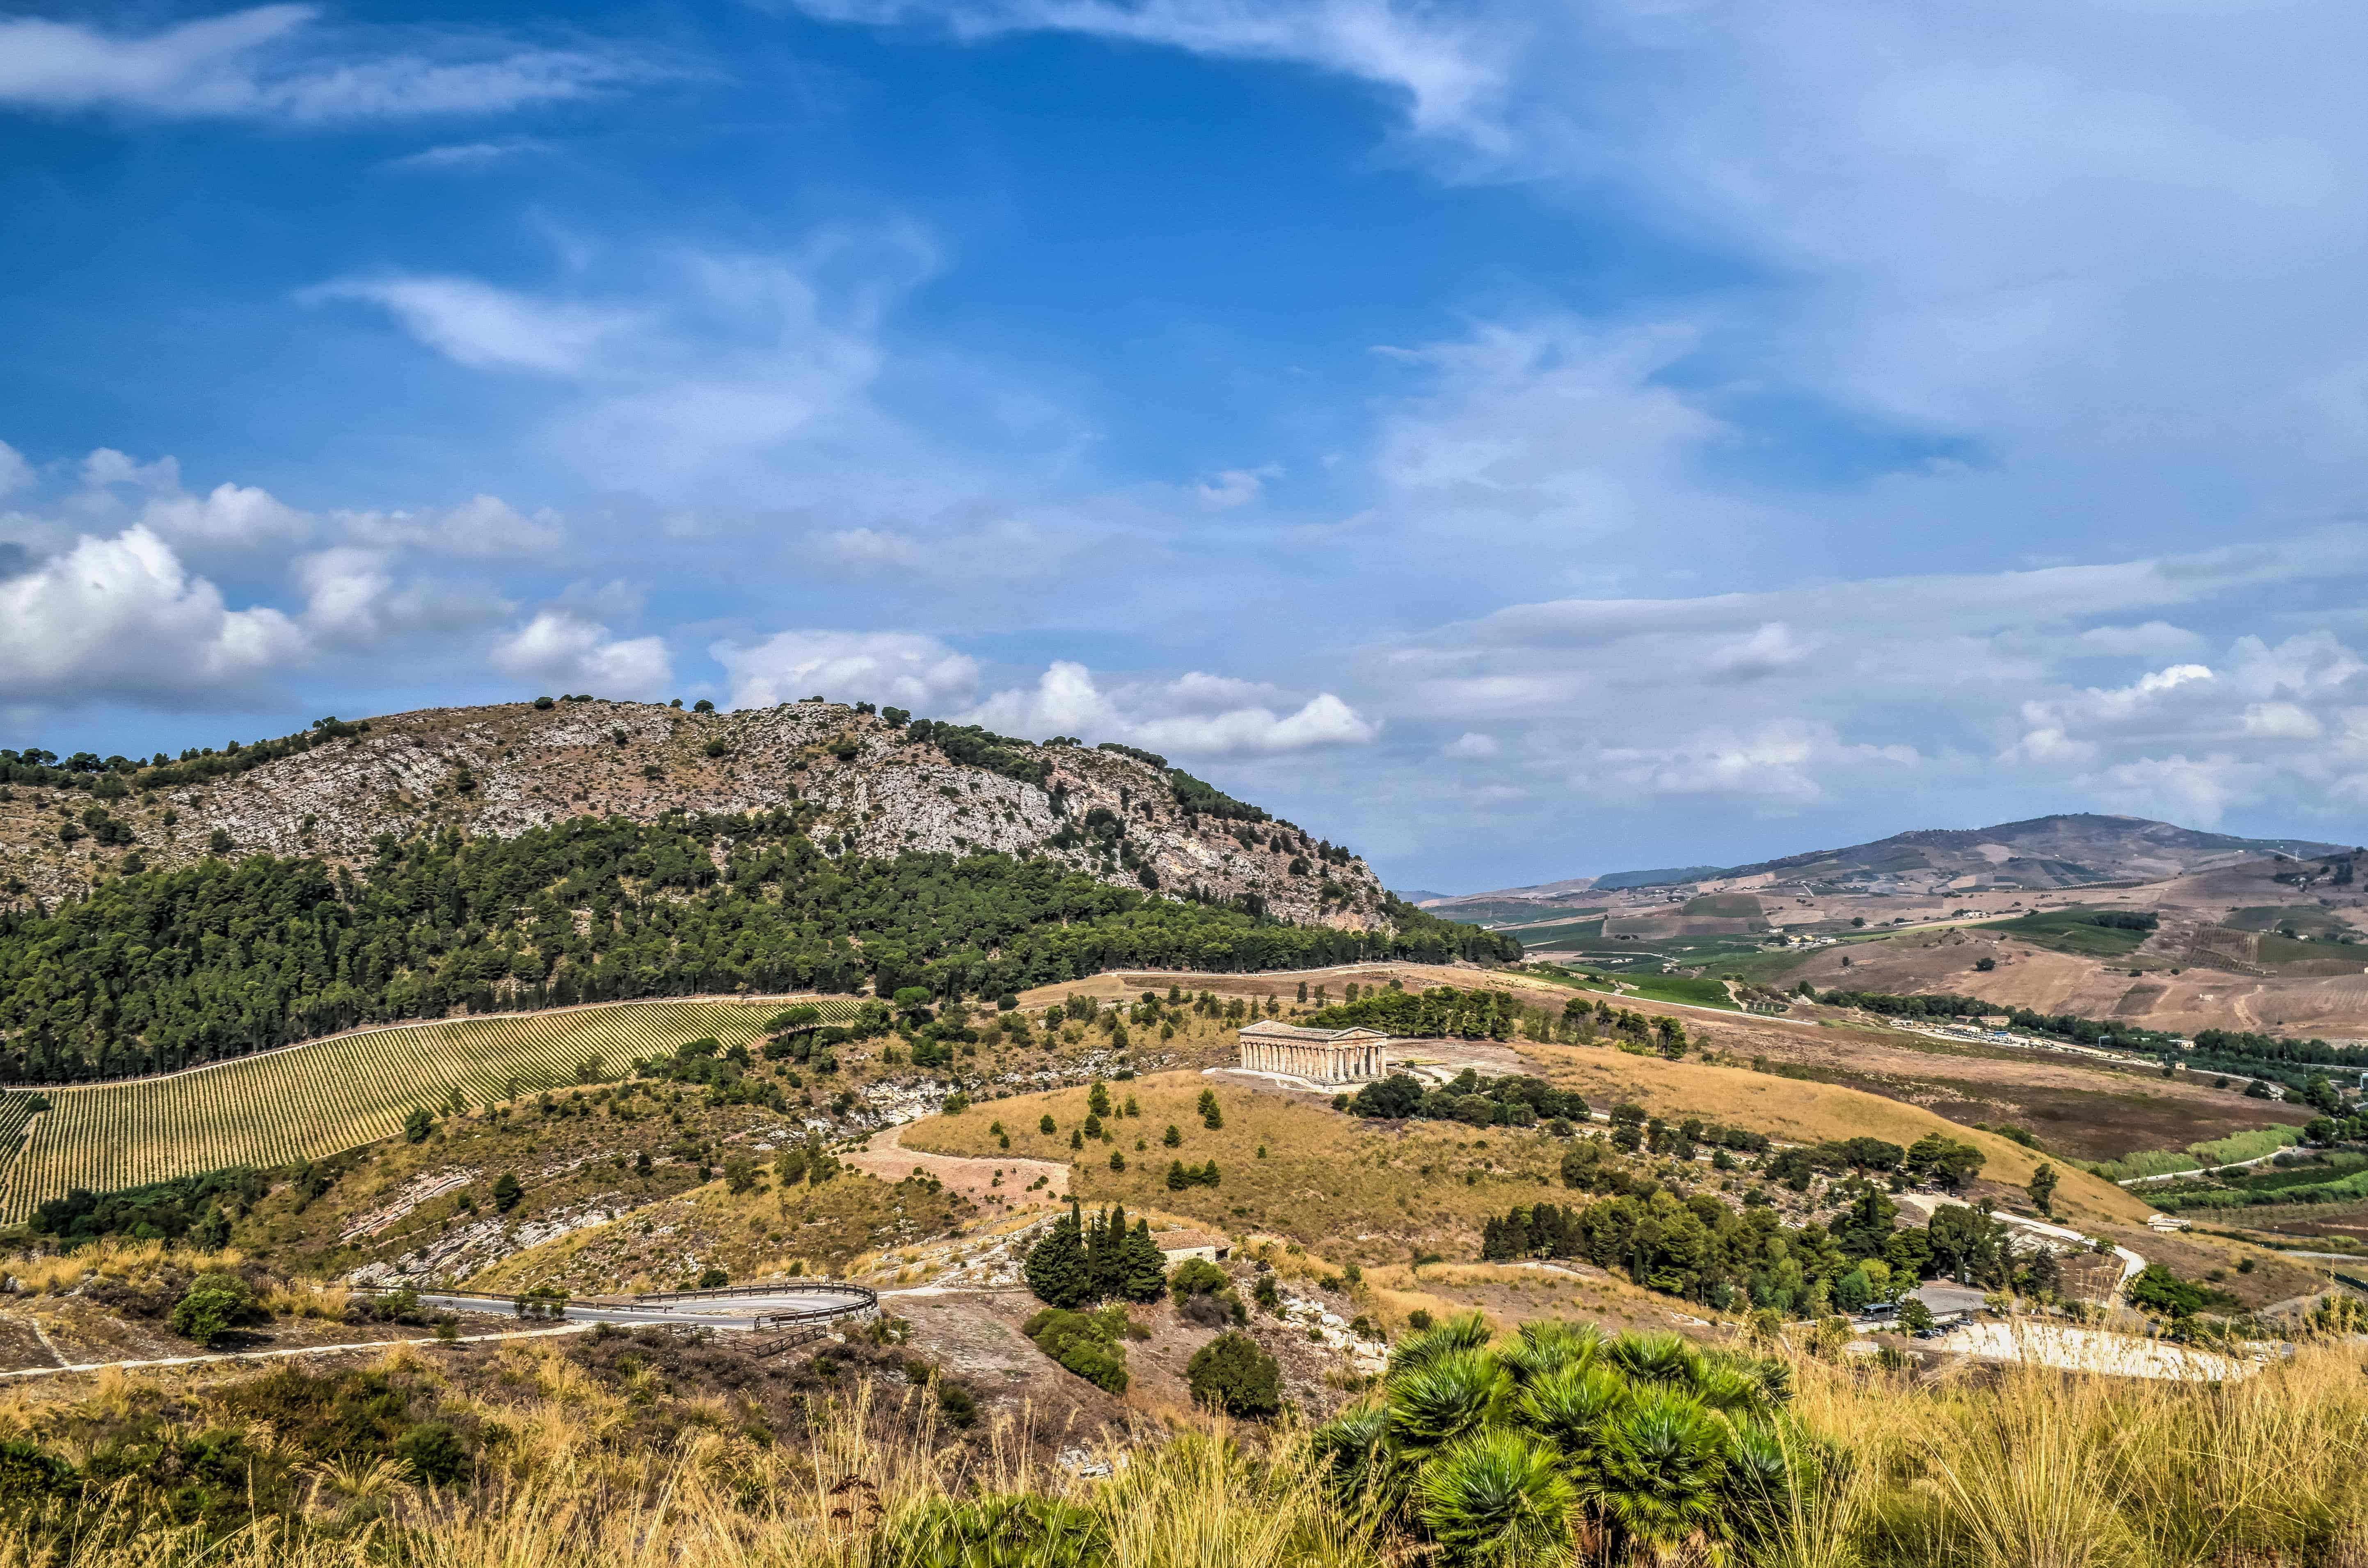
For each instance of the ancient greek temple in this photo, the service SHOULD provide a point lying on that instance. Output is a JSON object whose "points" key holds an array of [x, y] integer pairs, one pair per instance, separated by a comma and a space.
{"points": [[1328, 1056]]}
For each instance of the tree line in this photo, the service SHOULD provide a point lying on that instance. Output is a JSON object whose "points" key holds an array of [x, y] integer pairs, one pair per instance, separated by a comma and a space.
{"points": [[157, 971]]}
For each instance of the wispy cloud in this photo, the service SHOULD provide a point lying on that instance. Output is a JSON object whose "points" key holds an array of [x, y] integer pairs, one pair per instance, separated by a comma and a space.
{"points": [[281, 62]]}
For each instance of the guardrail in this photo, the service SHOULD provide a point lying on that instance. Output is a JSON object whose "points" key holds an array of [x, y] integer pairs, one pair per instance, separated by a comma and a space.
{"points": [[778, 1287], [679, 1303]]}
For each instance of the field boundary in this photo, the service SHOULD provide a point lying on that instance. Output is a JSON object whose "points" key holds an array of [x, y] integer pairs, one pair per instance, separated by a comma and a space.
{"points": [[712, 999]]}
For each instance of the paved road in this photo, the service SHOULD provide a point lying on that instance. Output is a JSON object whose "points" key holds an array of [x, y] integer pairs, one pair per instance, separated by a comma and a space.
{"points": [[2130, 1262]]}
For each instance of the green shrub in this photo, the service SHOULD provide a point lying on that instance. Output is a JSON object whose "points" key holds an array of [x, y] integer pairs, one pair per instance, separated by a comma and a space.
{"points": [[433, 1452], [214, 1304], [1083, 1343], [1012, 1530], [1231, 1374]]}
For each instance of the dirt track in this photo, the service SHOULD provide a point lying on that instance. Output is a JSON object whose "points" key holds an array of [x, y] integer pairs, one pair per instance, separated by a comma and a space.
{"points": [[888, 1159]]}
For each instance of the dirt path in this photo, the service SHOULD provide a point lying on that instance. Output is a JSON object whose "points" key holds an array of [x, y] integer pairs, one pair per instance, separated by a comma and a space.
{"points": [[888, 1159], [259, 1355]]}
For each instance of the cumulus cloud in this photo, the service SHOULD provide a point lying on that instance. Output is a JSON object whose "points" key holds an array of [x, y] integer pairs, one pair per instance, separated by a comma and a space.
{"points": [[115, 541], [120, 620], [278, 62], [901, 668], [563, 649], [1472, 744], [1182, 716]]}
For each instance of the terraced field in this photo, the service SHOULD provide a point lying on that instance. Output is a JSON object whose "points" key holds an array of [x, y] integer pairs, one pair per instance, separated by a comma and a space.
{"points": [[333, 1095]]}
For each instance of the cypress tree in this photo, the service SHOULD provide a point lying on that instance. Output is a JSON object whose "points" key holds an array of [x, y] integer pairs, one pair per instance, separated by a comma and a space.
{"points": [[1056, 1267], [1146, 1276]]}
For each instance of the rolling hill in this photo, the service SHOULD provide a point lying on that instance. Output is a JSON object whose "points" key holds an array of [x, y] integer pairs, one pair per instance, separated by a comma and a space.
{"points": [[2077, 849], [159, 916]]}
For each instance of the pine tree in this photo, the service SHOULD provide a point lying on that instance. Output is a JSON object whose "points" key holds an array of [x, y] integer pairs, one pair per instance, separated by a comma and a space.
{"points": [[1056, 1265], [1178, 1181], [1097, 1101]]}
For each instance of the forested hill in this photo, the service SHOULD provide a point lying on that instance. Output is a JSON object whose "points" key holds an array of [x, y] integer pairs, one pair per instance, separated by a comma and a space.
{"points": [[161, 969], [878, 783]]}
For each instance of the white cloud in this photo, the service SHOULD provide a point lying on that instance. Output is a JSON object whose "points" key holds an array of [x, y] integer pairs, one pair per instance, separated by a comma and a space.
{"points": [[483, 527], [484, 327], [1450, 72], [1551, 421], [277, 62], [1008, 551], [566, 650], [467, 157], [693, 370], [120, 620], [902, 668], [1472, 744], [1236, 486], [1172, 717], [16, 473]]}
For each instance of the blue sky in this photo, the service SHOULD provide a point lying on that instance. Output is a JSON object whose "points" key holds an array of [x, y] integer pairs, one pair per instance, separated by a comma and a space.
{"points": [[1517, 440]]}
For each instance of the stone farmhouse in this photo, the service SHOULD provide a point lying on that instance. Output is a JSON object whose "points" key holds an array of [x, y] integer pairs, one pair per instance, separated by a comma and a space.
{"points": [[1325, 1056]]}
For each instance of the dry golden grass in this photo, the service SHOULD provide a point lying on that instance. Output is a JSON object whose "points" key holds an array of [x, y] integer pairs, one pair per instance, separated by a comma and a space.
{"points": [[1325, 1180], [2019, 1468], [1797, 1110]]}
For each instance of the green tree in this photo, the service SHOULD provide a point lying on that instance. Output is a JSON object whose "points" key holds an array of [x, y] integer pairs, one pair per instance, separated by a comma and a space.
{"points": [[1055, 1269], [1914, 1315], [507, 1191], [2043, 1189], [739, 1172], [1172, 1138], [417, 1125]]}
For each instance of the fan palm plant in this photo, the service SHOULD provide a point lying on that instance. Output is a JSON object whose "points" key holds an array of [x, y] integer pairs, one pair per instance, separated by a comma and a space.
{"points": [[1495, 1500], [1547, 1345], [1661, 1478], [1470, 1332], [1448, 1397], [1656, 1358]]}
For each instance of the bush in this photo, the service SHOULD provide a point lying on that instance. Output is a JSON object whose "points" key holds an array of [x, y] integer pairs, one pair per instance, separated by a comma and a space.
{"points": [[1231, 1374], [214, 1304], [27, 1474], [434, 1453], [1083, 1343], [1198, 1277]]}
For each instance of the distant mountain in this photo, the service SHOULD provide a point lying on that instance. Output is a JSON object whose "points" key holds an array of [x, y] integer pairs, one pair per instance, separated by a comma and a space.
{"points": [[1418, 895], [2072, 850]]}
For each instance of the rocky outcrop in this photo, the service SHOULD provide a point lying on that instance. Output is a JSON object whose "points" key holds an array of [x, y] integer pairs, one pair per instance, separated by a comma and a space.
{"points": [[503, 770]]}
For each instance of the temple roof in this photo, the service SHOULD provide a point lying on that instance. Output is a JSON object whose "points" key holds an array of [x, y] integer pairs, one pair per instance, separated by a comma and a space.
{"points": [[1291, 1034]]}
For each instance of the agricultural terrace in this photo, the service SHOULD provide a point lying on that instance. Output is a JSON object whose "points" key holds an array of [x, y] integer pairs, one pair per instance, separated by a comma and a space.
{"points": [[314, 1101]]}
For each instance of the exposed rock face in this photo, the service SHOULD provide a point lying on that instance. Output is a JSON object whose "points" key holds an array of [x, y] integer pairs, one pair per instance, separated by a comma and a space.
{"points": [[503, 770]]}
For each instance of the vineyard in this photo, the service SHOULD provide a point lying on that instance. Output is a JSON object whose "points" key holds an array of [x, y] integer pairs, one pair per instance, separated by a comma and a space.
{"points": [[318, 1099]]}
